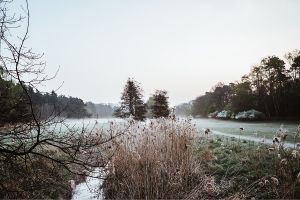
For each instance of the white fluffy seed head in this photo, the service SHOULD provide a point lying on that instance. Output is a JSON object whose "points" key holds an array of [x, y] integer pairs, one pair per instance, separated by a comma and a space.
{"points": [[275, 180]]}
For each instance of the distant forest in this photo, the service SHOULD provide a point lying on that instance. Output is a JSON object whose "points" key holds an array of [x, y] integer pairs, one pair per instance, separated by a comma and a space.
{"points": [[272, 87], [100, 110], [15, 106]]}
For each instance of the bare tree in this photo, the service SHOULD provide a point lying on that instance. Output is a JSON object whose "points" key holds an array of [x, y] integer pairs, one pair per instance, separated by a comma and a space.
{"points": [[77, 149]]}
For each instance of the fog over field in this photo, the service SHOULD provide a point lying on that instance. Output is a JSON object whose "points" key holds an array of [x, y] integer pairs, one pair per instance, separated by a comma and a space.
{"points": [[137, 99], [185, 47]]}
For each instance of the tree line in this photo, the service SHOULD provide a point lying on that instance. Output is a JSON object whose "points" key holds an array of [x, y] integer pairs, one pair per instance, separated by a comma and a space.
{"points": [[132, 104], [272, 87], [100, 110], [14, 105]]}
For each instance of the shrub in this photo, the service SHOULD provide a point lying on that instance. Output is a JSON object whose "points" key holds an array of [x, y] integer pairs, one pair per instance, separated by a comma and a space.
{"points": [[37, 178]]}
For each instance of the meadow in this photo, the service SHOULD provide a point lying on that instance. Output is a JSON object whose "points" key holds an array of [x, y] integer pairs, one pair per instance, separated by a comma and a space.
{"points": [[171, 159]]}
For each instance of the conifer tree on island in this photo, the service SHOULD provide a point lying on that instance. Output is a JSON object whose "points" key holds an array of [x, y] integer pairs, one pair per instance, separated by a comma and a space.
{"points": [[160, 107], [132, 103]]}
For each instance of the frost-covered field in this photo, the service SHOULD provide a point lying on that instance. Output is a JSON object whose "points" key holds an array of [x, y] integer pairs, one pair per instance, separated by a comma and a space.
{"points": [[161, 141], [255, 129]]}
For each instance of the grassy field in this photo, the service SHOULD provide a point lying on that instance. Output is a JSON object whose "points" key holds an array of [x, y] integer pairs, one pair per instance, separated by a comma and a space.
{"points": [[250, 170], [264, 129], [169, 159]]}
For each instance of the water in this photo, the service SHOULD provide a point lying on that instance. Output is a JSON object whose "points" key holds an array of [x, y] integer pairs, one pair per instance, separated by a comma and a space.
{"points": [[90, 189]]}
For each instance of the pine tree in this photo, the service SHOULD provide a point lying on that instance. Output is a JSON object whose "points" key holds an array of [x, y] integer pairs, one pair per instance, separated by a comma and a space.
{"points": [[160, 107], [131, 102]]}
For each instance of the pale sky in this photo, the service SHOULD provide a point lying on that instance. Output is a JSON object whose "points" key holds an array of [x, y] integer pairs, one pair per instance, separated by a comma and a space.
{"points": [[182, 46]]}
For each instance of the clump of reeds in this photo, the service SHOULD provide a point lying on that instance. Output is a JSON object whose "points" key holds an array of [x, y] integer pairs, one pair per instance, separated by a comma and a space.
{"points": [[155, 160]]}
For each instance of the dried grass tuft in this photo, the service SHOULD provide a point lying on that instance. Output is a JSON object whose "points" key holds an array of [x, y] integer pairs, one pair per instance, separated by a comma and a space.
{"points": [[156, 160]]}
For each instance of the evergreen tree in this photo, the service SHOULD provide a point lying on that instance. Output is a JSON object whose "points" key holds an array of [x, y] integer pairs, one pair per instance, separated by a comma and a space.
{"points": [[160, 107], [131, 102], [13, 104]]}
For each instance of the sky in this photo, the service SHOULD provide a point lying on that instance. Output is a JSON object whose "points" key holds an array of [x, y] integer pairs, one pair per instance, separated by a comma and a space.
{"points": [[182, 46]]}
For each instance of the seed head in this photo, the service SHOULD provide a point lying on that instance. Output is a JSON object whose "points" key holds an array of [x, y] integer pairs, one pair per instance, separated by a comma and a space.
{"points": [[283, 162], [294, 153], [276, 140], [267, 182], [275, 180]]}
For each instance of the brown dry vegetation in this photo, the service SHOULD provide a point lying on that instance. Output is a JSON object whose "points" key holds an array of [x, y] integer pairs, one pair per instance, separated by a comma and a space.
{"points": [[157, 160], [47, 173], [35, 178], [163, 159]]}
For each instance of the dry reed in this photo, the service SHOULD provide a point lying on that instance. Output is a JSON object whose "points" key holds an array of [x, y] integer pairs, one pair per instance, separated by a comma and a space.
{"points": [[155, 160]]}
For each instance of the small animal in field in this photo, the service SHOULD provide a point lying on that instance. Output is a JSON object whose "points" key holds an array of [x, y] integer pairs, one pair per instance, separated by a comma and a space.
{"points": [[241, 130], [207, 131]]}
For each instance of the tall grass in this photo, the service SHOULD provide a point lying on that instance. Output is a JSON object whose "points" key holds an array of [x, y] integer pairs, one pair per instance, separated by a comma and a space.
{"points": [[155, 160], [164, 159]]}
